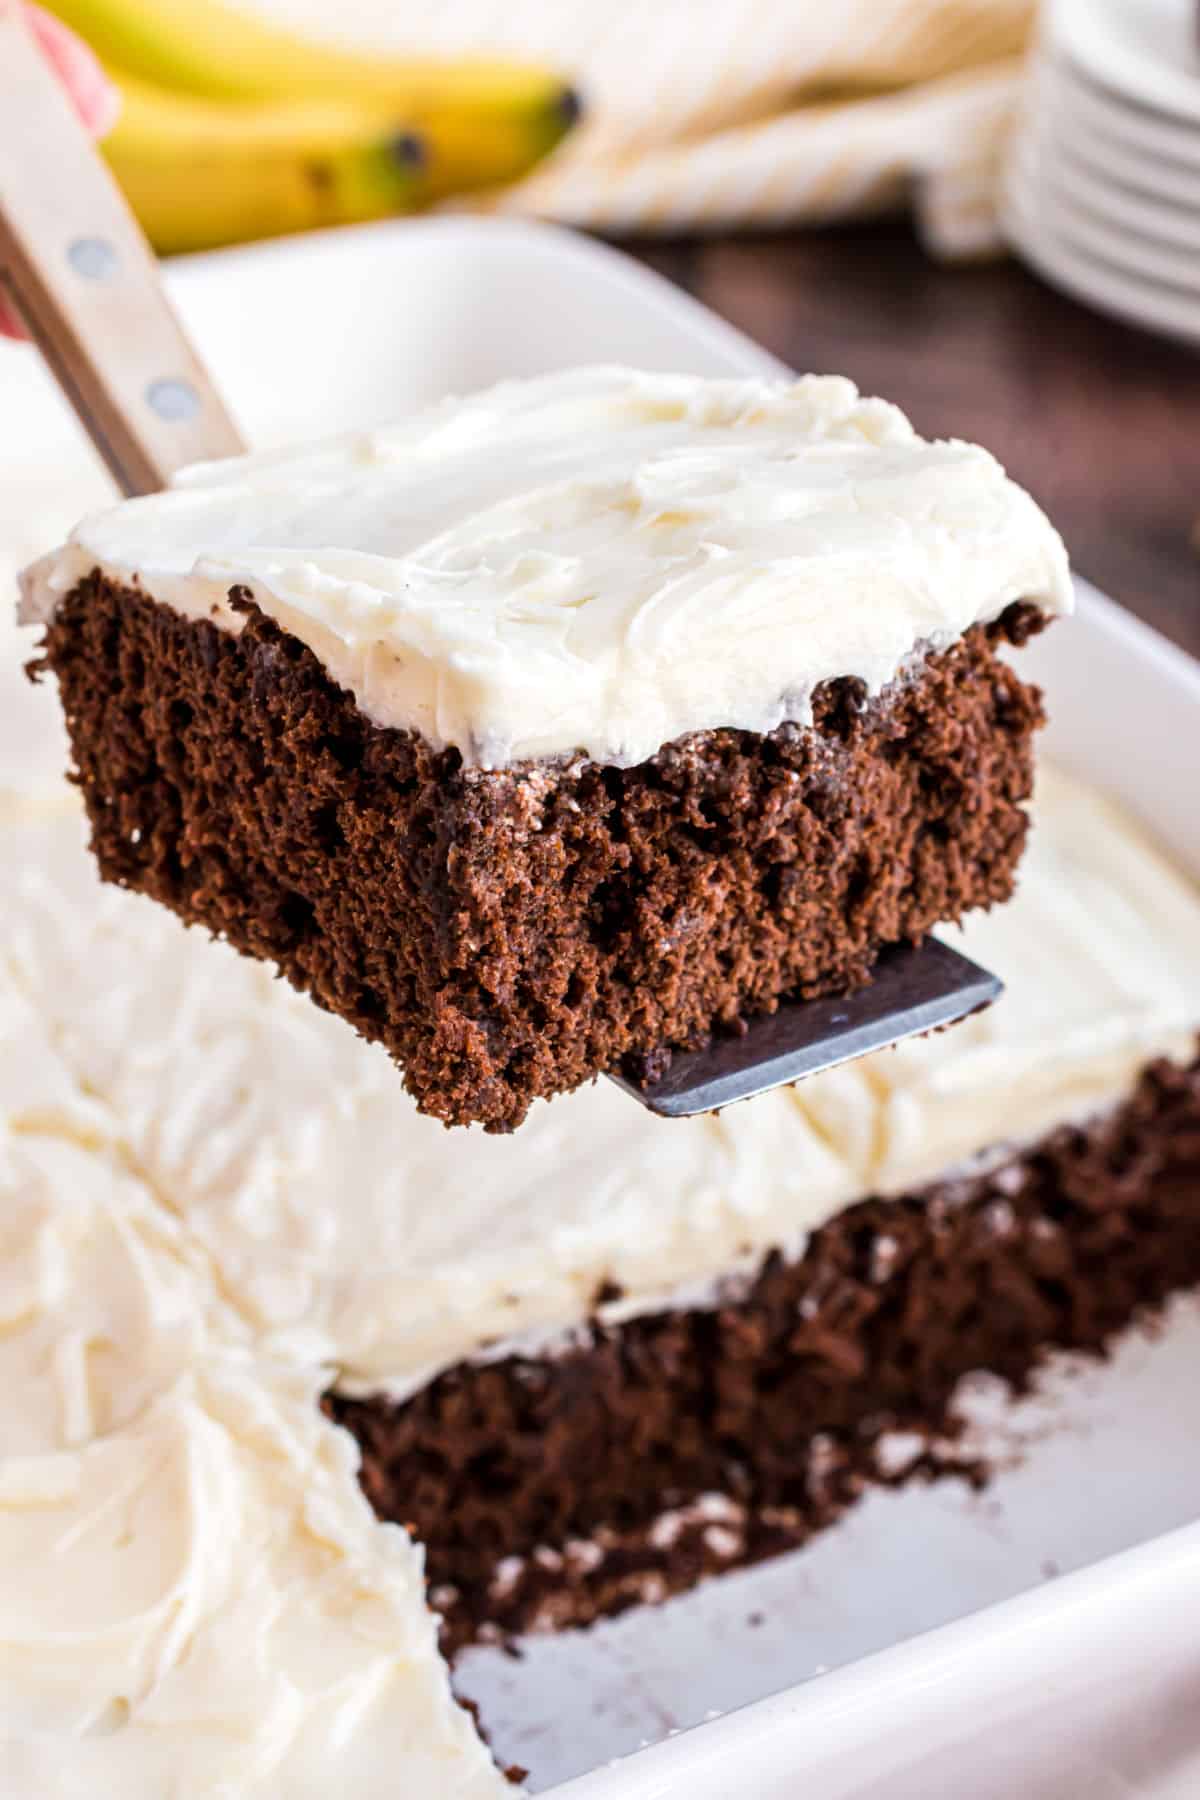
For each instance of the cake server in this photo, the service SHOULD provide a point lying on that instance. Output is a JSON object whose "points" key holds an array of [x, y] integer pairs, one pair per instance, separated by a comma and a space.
{"points": [[913, 989], [88, 286], [86, 283]]}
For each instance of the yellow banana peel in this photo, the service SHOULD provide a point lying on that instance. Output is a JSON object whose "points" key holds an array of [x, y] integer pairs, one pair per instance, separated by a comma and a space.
{"points": [[234, 128], [202, 173], [204, 47], [467, 150]]}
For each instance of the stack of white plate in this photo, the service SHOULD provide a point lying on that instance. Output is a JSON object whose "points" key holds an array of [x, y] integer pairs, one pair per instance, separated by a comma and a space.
{"points": [[1103, 187]]}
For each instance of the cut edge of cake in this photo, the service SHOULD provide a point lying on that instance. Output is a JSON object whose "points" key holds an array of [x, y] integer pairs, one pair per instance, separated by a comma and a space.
{"points": [[739, 1428], [508, 935]]}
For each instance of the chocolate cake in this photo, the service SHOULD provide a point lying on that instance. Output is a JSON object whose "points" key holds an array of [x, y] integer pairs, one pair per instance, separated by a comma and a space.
{"points": [[580, 720], [587, 1363], [549, 1491]]}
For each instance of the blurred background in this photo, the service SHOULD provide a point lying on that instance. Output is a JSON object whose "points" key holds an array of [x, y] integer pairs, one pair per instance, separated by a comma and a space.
{"points": [[986, 210]]}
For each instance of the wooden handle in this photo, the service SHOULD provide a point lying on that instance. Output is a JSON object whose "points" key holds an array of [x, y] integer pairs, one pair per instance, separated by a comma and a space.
{"points": [[87, 284]]}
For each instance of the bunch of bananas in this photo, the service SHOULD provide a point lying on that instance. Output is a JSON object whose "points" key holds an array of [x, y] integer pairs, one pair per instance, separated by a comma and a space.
{"points": [[233, 129]]}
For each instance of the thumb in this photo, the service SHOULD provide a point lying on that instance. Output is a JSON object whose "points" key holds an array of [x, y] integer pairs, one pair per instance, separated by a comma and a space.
{"points": [[95, 97]]}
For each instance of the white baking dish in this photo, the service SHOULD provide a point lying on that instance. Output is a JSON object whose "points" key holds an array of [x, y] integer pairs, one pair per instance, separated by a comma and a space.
{"points": [[1045, 1690]]}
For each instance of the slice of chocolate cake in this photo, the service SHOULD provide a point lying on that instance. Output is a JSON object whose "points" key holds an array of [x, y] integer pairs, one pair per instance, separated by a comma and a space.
{"points": [[567, 724]]}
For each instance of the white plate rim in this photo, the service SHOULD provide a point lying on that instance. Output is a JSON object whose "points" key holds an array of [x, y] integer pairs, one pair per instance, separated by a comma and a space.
{"points": [[1126, 246], [1095, 284], [1104, 155], [1144, 134], [1098, 36], [1142, 215], [1056, 156], [1110, 197]]}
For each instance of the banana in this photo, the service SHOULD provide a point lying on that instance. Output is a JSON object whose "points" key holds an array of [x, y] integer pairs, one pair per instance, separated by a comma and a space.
{"points": [[206, 48], [467, 150], [200, 173]]}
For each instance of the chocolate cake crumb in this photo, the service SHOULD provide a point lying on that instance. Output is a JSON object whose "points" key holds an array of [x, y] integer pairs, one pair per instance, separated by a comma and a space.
{"points": [[508, 934], [549, 1492]]}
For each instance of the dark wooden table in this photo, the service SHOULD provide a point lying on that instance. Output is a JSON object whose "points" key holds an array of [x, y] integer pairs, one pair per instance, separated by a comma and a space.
{"points": [[1100, 421]]}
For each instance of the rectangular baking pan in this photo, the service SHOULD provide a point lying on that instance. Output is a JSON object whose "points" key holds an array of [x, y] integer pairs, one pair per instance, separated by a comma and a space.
{"points": [[1036, 1638]]}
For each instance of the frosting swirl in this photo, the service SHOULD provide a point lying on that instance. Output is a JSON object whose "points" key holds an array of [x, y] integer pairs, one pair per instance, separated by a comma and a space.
{"points": [[596, 562]]}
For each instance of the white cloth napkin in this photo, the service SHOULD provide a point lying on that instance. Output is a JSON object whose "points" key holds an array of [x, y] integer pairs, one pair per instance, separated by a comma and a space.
{"points": [[723, 113]]}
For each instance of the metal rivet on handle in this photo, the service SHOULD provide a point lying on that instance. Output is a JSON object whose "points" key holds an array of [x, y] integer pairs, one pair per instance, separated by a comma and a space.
{"points": [[173, 400], [93, 258]]}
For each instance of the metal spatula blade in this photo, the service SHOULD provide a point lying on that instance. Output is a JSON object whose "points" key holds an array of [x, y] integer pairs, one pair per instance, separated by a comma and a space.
{"points": [[912, 991]]}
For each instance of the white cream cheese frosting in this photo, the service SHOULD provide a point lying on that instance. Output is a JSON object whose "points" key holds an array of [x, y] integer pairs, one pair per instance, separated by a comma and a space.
{"points": [[34, 753], [200, 1603], [598, 561], [104, 1299], [195, 1598], [345, 1228]]}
